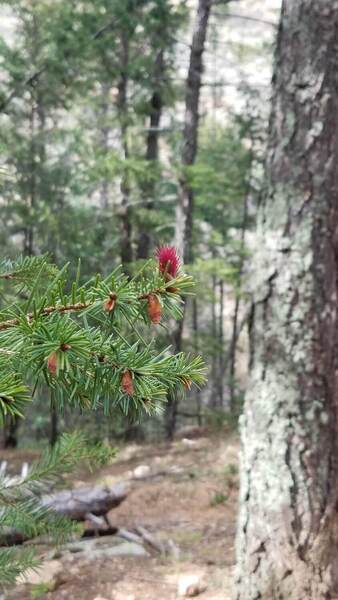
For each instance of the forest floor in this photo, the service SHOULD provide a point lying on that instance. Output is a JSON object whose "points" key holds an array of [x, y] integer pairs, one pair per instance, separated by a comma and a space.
{"points": [[185, 492]]}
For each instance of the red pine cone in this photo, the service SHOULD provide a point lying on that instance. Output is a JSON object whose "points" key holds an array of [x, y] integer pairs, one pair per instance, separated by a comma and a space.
{"points": [[154, 309], [168, 261], [110, 303], [127, 384], [52, 363], [65, 347]]}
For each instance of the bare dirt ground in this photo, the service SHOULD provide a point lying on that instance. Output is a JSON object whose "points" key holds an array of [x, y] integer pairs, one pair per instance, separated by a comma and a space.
{"points": [[187, 493]]}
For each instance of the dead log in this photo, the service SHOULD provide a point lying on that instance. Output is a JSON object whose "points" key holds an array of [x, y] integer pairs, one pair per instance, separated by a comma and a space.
{"points": [[80, 502], [84, 503]]}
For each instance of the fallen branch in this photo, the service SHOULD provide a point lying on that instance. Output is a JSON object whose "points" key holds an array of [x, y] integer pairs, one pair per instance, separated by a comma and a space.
{"points": [[85, 503], [77, 504]]}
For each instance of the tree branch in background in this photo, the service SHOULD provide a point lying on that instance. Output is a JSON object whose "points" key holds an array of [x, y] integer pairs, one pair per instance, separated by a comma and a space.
{"points": [[33, 79]]}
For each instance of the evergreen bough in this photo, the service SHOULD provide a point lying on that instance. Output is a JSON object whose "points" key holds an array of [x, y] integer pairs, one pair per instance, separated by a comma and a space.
{"points": [[89, 344]]}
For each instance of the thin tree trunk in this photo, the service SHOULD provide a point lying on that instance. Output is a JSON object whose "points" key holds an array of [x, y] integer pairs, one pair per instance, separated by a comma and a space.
{"points": [[221, 345], [287, 545], [11, 432], [234, 334], [103, 139], [35, 148], [196, 350], [184, 208], [122, 105], [214, 347], [28, 249], [172, 403], [152, 151], [54, 429]]}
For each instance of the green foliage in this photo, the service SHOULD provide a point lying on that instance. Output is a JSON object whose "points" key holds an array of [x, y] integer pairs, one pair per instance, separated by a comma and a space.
{"points": [[13, 392], [13, 562], [83, 343], [220, 178], [80, 340], [219, 498], [40, 589], [230, 483], [221, 420], [20, 507]]}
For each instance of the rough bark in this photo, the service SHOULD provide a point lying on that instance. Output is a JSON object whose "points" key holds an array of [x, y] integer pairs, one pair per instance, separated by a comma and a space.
{"points": [[287, 533]]}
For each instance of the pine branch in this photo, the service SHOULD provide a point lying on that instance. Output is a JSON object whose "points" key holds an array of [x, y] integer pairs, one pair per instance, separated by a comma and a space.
{"points": [[82, 343], [45, 312], [70, 450], [21, 509], [25, 269], [80, 306], [14, 562]]}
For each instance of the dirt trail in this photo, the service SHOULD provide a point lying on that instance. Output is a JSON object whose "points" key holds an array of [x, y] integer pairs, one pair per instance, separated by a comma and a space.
{"points": [[185, 492]]}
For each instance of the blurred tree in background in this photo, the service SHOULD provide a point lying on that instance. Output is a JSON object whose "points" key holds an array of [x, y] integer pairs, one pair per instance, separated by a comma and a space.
{"points": [[93, 136]]}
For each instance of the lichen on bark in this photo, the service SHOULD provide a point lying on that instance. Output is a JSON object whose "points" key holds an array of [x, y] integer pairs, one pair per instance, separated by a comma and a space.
{"points": [[287, 543]]}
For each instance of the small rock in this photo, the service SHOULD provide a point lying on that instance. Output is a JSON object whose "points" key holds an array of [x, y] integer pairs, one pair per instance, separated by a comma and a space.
{"points": [[175, 469], [173, 550], [129, 452], [193, 431], [94, 549], [48, 571], [122, 596], [229, 455], [124, 549], [190, 586], [199, 444], [142, 471]]}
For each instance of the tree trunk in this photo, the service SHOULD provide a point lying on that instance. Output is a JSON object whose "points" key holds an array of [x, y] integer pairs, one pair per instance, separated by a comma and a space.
{"points": [[122, 99], [196, 351], [11, 432], [220, 384], [235, 333], [287, 545], [104, 139], [54, 426], [28, 242], [184, 209], [212, 403], [152, 151]]}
